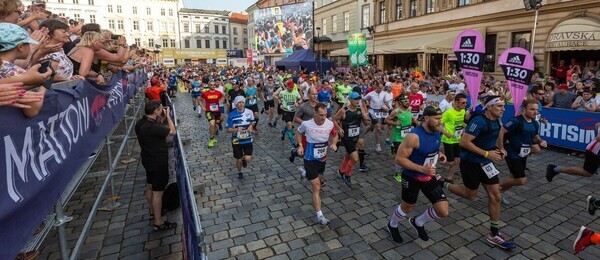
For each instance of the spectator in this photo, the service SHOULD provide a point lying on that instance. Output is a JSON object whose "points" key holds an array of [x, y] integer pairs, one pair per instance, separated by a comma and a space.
{"points": [[38, 10], [446, 103], [9, 11], [585, 102], [563, 99], [591, 66], [59, 34], [90, 27], [14, 44], [82, 55], [560, 72], [155, 90]]}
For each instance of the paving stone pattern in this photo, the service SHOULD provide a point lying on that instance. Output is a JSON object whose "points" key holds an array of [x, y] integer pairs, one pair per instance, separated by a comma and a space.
{"points": [[269, 214]]}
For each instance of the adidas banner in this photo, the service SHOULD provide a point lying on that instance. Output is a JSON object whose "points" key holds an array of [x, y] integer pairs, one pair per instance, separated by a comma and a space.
{"points": [[517, 64], [469, 48]]}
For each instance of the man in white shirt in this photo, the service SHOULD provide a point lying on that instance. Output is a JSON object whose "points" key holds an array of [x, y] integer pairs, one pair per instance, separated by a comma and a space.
{"points": [[446, 103], [378, 105], [458, 85]]}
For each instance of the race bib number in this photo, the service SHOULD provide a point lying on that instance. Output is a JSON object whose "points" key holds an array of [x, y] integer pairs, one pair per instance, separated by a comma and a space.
{"points": [[320, 150], [458, 131], [214, 107], [244, 134], [431, 159], [404, 131], [345, 96], [415, 115], [291, 106], [380, 114], [353, 131], [525, 150], [196, 89], [328, 105], [490, 170], [269, 97], [252, 101], [537, 117]]}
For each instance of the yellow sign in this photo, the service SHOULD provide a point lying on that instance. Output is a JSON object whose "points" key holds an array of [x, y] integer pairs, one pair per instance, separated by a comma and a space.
{"points": [[193, 53]]}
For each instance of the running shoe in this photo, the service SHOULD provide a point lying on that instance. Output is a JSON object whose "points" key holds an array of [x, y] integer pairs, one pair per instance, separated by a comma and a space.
{"points": [[282, 134], [504, 201], [199, 115], [302, 172], [499, 241], [550, 172], [275, 123], [293, 154], [220, 127], [323, 221], [270, 125], [262, 111], [388, 141], [378, 148], [420, 230], [347, 181], [211, 143], [398, 177], [591, 205], [194, 108], [341, 175], [395, 233], [244, 163], [583, 239], [363, 168], [240, 175]]}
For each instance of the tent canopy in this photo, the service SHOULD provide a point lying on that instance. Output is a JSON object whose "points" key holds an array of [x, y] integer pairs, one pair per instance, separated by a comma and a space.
{"points": [[304, 59]]}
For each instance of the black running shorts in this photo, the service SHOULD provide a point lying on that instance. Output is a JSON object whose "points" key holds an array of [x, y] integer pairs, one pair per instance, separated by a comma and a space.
{"points": [[516, 166], [431, 189], [473, 175], [592, 162], [241, 150], [313, 169], [452, 151]]}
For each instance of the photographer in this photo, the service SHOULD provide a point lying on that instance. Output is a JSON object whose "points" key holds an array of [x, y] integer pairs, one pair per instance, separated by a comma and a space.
{"points": [[152, 134]]}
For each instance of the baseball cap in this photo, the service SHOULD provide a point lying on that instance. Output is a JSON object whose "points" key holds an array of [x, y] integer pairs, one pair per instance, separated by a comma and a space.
{"points": [[562, 86], [354, 95], [12, 35], [238, 99], [290, 84], [432, 111], [38, 2]]}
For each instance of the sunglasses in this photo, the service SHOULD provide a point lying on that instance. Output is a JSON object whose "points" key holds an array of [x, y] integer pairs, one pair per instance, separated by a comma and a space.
{"points": [[540, 93]]}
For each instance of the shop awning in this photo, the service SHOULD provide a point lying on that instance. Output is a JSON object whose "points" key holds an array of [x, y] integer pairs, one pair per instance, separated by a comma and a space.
{"points": [[430, 43], [581, 33]]}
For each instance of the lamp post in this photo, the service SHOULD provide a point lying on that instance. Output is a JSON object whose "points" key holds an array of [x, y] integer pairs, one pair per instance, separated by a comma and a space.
{"points": [[371, 30], [319, 42], [533, 4], [156, 52]]}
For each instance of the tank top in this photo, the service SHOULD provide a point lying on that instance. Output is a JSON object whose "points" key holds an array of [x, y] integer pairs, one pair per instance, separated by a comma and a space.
{"points": [[351, 123], [325, 97], [251, 96], [428, 152]]}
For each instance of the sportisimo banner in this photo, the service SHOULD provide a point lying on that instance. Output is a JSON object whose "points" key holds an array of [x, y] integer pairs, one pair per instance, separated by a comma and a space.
{"points": [[41, 154], [517, 64], [469, 49]]}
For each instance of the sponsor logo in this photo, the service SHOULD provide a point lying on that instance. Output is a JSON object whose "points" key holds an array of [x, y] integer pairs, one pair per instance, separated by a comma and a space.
{"points": [[467, 42], [515, 58]]}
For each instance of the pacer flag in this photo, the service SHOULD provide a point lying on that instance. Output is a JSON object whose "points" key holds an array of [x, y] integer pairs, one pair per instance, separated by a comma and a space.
{"points": [[469, 48], [517, 64]]}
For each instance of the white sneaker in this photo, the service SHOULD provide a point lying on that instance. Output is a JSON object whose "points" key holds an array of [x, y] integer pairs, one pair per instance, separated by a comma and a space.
{"points": [[302, 172], [323, 221], [378, 148]]}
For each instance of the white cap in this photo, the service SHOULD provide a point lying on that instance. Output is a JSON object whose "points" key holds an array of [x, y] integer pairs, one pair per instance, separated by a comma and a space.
{"points": [[238, 99]]}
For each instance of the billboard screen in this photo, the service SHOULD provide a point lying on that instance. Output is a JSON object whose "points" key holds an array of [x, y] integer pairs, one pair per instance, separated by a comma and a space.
{"points": [[282, 29]]}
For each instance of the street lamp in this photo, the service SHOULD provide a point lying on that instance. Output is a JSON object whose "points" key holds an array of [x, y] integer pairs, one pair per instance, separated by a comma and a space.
{"points": [[533, 4], [319, 42], [156, 52], [371, 30]]}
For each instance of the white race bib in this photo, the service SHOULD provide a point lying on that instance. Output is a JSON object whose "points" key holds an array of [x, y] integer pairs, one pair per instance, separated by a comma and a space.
{"points": [[320, 150], [291, 106], [431, 159], [537, 117], [353, 131], [415, 115], [404, 131], [244, 134], [525, 150], [214, 107], [328, 105], [269, 97], [458, 131], [251, 101], [490, 170]]}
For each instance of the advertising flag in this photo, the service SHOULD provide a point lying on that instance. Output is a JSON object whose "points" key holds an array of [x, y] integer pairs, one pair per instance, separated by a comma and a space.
{"points": [[352, 50], [517, 64], [361, 49], [469, 48]]}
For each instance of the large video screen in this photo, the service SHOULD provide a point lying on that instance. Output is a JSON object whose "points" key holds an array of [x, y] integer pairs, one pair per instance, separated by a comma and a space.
{"points": [[283, 29]]}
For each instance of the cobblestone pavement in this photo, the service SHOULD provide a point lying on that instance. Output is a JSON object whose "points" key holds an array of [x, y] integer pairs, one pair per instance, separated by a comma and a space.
{"points": [[269, 213]]}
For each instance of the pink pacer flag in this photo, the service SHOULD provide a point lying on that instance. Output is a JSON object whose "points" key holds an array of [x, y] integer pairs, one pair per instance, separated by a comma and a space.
{"points": [[517, 64], [469, 48]]}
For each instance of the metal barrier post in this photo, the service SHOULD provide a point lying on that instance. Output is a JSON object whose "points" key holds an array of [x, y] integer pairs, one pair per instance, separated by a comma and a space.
{"points": [[61, 220], [114, 203]]}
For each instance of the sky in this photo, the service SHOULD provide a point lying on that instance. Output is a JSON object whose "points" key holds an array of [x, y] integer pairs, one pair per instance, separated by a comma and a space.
{"points": [[229, 5]]}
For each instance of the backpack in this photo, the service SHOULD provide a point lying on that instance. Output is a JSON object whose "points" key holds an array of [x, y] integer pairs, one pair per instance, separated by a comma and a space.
{"points": [[519, 128], [488, 130], [170, 198]]}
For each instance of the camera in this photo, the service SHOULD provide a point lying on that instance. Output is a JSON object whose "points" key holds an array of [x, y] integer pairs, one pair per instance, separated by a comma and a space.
{"points": [[115, 37]]}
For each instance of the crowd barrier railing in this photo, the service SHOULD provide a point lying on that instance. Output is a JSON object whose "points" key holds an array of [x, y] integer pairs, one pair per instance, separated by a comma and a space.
{"points": [[48, 156]]}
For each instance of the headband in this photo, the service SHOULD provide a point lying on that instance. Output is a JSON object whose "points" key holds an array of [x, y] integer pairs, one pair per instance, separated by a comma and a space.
{"points": [[493, 102]]}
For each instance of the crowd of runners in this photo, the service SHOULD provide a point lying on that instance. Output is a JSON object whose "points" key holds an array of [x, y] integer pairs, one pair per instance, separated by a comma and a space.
{"points": [[321, 112]]}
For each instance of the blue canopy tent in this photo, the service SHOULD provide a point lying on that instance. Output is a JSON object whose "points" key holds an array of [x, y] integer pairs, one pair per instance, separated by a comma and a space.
{"points": [[304, 59]]}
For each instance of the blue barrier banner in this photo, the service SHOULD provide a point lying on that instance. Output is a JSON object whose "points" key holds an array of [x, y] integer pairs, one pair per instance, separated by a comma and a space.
{"points": [[42, 154], [566, 128], [189, 240]]}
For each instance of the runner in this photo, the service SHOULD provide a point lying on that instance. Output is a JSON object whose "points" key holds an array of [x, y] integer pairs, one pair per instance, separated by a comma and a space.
{"points": [[233, 93], [288, 101], [401, 119], [196, 91], [378, 111], [317, 132], [172, 83], [477, 165], [240, 123], [418, 155], [348, 123], [416, 100], [211, 99], [590, 164], [252, 99], [518, 134], [342, 92], [453, 121], [325, 94]]}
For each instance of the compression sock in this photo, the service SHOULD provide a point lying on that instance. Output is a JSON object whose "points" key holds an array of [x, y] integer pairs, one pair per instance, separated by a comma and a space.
{"points": [[427, 216], [344, 165], [290, 135], [397, 216], [494, 227], [361, 156], [349, 167]]}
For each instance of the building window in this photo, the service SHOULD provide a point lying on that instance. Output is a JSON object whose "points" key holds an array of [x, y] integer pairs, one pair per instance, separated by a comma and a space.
{"points": [[207, 44], [398, 9], [163, 27], [381, 12], [430, 6], [235, 41], [92, 18], [151, 43], [198, 44], [346, 21], [197, 27], [206, 30], [521, 39], [61, 1], [216, 29], [76, 17], [149, 26], [148, 11], [224, 29], [134, 9], [111, 24], [76, 1], [109, 7], [90, 2], [324, 25], [245, 30], [170, 12], [489, 64], [245, 41], [137, 42], [162, 11], [464, 2], [413, 8], [172, 43], [366, 17], [334, 24], [224, 44], [186, 43], [165, 43], [119, 10], [120, 24], [216, 44], [136, 25], [186, 27], [234, 30]]}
